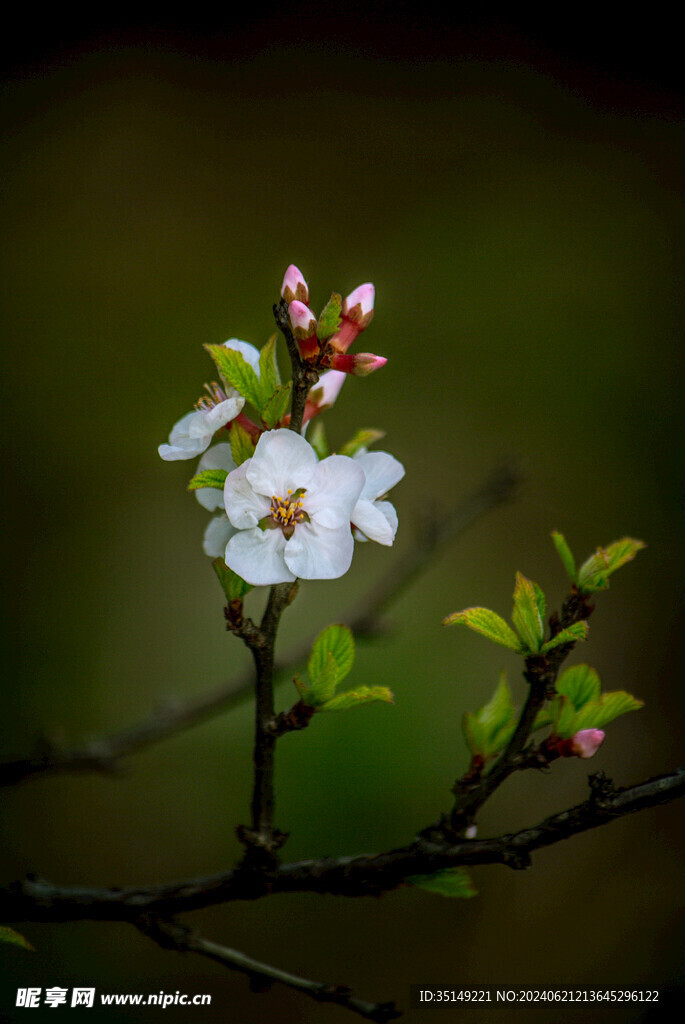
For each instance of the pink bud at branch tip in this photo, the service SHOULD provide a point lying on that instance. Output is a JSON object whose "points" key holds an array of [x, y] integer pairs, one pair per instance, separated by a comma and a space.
{"points": [[358, 306], [587, 742], [361, 364], [294, 285]]}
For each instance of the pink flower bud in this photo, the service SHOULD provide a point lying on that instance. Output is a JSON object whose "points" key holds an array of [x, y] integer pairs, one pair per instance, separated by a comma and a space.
{"points": [[360, 363], [587, 742], [323, 395], [358, 306], [294, 285], [304, 328]]}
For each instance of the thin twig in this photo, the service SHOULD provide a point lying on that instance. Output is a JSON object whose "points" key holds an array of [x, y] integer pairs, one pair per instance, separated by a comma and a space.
{"points": [[105, 753], [35, 899], [172, 935]]}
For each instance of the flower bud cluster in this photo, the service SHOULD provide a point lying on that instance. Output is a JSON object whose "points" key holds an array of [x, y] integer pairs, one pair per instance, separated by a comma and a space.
{"points": [[356, 315]]}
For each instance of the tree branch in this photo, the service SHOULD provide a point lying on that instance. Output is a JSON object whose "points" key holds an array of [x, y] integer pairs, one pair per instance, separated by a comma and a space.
{"points": [[34, 899], [172, 935], [104, 754]]}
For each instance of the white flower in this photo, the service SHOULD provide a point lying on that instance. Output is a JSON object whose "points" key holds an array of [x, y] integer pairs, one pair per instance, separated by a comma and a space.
{"points": [[193, 434], [292, 512], [373, 518], [219, 530]]}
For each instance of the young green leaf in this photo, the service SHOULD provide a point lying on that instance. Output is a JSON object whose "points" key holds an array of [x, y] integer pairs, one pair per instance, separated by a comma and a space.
{"points": [[598, 713], [237, 372], [317, 439], [488, 624], [242, 447], [338, 641], [324, 685], [565, 554], [570, 635], [528, 613], [580, 684], [361, 439], [304, 691], [594, 574], [234, 587], [269, 377], [277, 405], [13, 938], [475, 734], [329, 321], [454, 882], [362, 695], [208, 478]]}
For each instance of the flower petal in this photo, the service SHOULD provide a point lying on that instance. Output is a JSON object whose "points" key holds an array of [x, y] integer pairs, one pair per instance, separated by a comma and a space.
{"points": [[377, 520], [217, 417], [243, 506], [257, 556], [282, 460], [382, 472], [335, 487], [217, 535], [183, 444], [316, 553], [218, 457]]}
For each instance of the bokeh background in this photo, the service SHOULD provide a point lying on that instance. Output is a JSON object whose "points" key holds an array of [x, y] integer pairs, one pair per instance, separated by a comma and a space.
{"points": [[514, 191]]}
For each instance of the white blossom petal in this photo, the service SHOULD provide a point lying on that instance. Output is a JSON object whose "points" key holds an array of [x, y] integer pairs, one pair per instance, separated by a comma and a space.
{"points": [[382, 472], [377, 520], [282, 460], [257, 556], [193, 433], [217, 535], [218, 457], [316, 553], [335, 487], [244, 507], [220, 415]]}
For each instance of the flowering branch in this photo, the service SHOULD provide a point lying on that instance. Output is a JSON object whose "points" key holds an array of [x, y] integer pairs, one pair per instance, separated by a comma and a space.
{"points": [[305, 376]]}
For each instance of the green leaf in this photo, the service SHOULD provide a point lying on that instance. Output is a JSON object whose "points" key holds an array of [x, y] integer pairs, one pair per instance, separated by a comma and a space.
{"points": [[362, 439], [565, 717], [269, 377], [570, 635], [454, 882], [338, 641], [208, 478], [329, 321], [598, 713], [474, 733], [13, 938], [594, 574], [362, 695], [528, 612], [488, 624], [498, 717], [317, 439], [304, 691], [323, 687], [242, 447], [234, 587], [580, 684], [277, 406], [237, 372], [565, 554]]}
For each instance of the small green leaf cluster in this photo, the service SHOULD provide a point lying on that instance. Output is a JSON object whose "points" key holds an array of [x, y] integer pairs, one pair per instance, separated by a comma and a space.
{"points": [[265, 392], [330, 662], [528, 617], [580, 704], [453, 882], [488, 731], [594, 573]]}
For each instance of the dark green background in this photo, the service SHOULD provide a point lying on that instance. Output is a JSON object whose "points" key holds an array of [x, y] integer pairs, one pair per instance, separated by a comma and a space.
{"points": [[521, 217]]}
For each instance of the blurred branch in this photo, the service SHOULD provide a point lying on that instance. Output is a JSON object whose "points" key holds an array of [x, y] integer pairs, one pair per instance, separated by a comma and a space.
{"points": [[172, 935], [366, 875], [103, 754]]}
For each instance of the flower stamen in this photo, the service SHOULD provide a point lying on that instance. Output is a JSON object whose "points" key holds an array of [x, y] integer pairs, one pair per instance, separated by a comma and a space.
{"points": [[288, 512], [215, 396]]}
